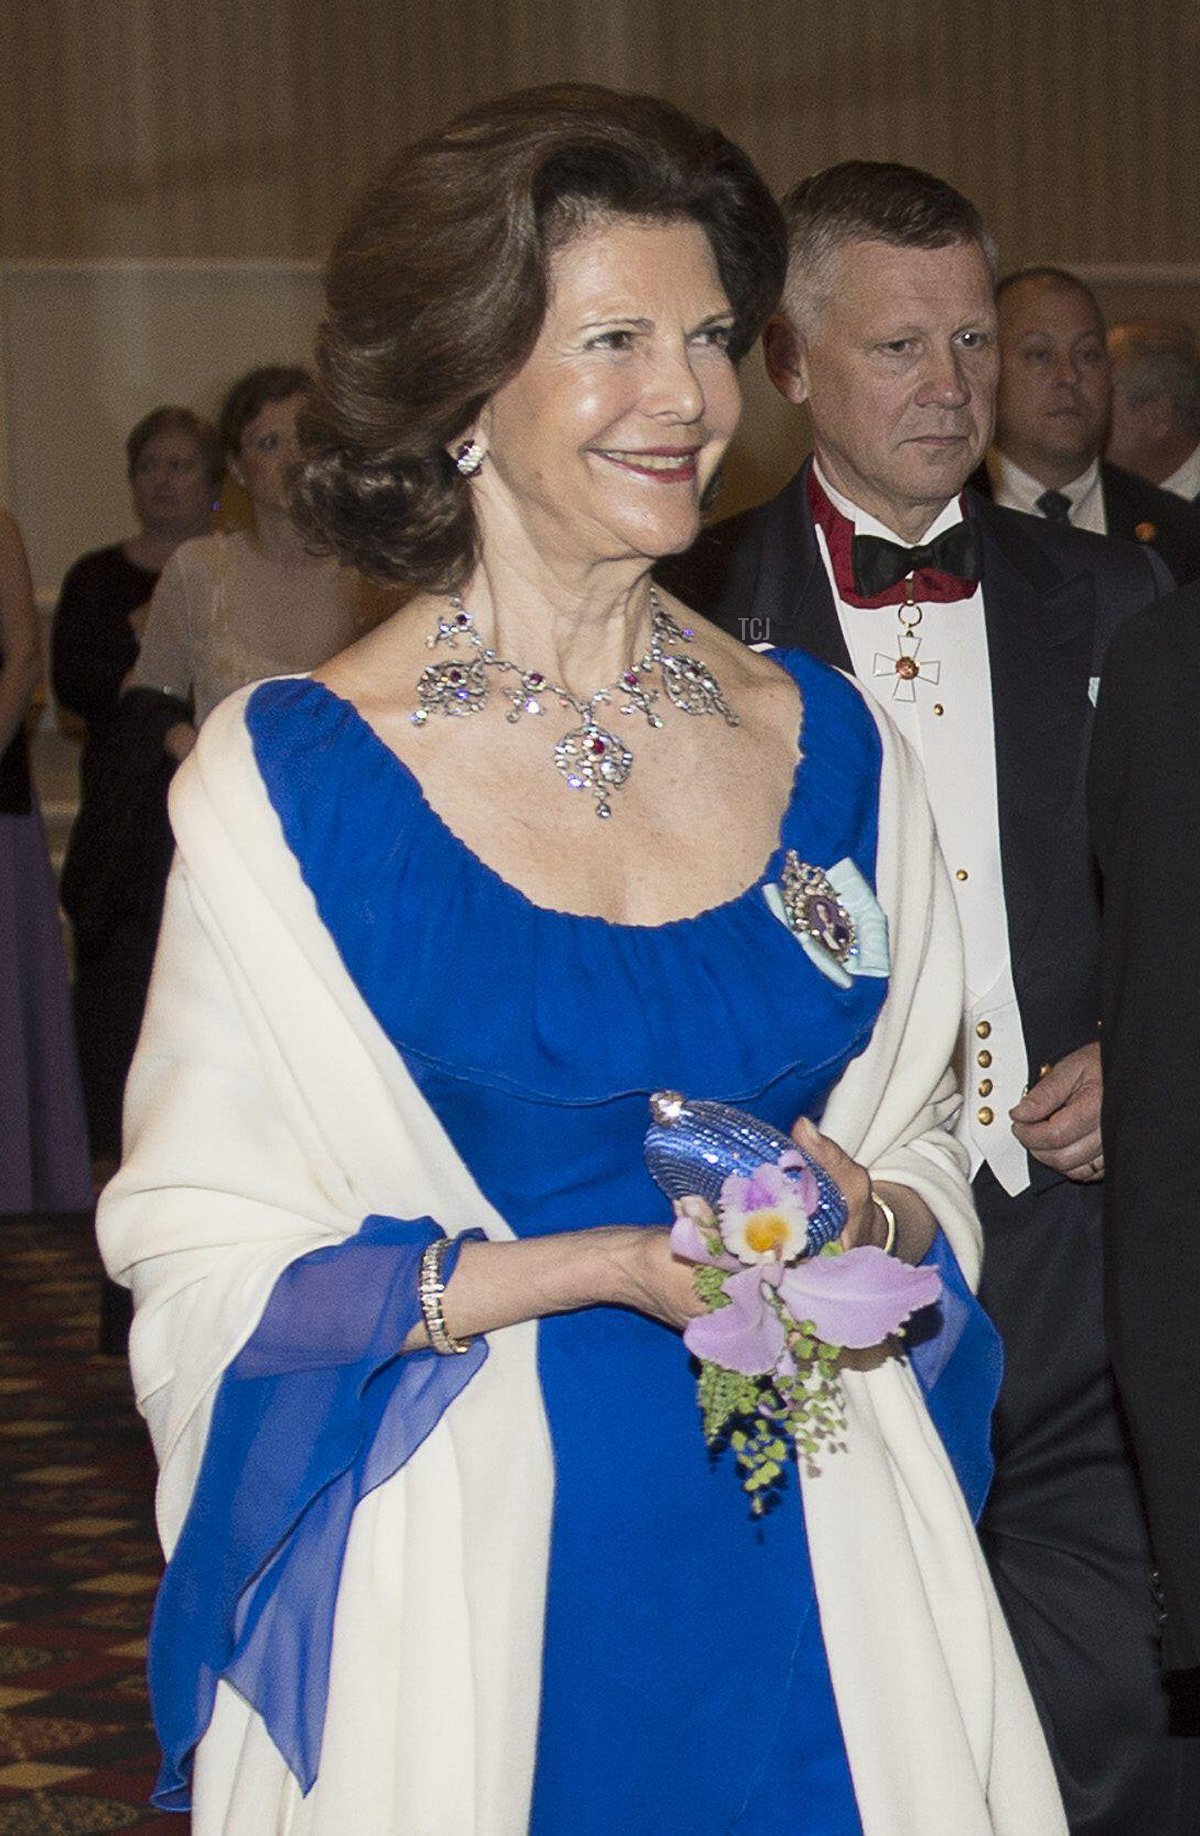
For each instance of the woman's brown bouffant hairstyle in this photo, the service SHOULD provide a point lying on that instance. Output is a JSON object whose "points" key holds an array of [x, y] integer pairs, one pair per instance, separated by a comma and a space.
{"points": [[436, 291]]}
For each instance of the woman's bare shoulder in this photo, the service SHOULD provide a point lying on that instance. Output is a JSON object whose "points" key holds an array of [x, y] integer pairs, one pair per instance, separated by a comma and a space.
{"points": [[382, 666]]}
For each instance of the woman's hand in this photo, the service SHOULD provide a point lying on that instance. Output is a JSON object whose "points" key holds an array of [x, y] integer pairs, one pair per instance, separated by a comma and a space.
{"points": [[612, 1265], [866, 1224], [653, 1279]]}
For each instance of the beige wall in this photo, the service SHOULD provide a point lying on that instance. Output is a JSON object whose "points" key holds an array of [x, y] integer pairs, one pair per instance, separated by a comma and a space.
{"points": [[240, 128], [87, 348]]}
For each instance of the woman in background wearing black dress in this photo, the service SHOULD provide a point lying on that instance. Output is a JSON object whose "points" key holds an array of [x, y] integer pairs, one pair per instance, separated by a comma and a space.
{"points": [[121, 844]]}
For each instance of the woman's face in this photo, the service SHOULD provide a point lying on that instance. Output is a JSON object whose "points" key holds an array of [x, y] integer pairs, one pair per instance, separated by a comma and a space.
{"points": [[601, 446], [171, 487], [268, 454]]}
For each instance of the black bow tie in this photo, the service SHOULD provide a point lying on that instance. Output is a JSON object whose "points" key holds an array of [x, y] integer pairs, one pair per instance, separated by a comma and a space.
{"points": [[879, 564]]}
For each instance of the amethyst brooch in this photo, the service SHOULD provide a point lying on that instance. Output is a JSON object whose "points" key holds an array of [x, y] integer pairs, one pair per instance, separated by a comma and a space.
{"points": [[834, 917]]}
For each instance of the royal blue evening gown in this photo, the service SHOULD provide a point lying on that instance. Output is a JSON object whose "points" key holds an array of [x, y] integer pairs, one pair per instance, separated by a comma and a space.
{"points": [[685, 1684]]}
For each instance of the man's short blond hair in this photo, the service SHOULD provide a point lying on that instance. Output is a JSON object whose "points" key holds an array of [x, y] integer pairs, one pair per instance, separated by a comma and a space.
{"points": [[866, 200]]}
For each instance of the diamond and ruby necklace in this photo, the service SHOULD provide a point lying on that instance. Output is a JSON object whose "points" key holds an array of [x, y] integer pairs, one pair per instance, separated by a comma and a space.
{"points": [[589, 756]]}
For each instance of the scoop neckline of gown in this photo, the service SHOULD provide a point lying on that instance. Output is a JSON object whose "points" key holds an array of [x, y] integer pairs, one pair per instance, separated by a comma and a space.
{"points": [[408, 776]]}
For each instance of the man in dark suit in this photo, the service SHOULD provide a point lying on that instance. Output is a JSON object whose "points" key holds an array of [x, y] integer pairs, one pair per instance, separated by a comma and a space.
{"points": [[1144, 794], [1155, 425], [982, 632], [1052, 415]]}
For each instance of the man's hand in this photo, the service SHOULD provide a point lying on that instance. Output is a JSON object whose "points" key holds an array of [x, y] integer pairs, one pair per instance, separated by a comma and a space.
{"points": [[1058, 1121]]}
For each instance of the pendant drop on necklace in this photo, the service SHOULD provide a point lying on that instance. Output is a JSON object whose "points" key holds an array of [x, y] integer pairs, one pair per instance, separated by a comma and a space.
{"points": [[592, 759]]}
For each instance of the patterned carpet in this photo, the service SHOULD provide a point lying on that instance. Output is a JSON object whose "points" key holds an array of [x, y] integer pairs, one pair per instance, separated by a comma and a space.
{"points": [[80, 1561]]}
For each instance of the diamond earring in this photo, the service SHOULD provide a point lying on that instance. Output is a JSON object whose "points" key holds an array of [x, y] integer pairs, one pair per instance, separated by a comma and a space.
{"points": [[469, 458]]}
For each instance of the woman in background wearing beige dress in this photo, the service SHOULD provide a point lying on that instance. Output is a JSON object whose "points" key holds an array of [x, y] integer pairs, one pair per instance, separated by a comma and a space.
{"points": [[237, 605]]}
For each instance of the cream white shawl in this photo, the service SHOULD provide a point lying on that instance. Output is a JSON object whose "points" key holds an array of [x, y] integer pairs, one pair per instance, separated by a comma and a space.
{"points": [[267, 1115]]}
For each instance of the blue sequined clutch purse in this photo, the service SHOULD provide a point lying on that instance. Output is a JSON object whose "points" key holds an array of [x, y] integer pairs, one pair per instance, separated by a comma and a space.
{"points": [[694, 1147]]}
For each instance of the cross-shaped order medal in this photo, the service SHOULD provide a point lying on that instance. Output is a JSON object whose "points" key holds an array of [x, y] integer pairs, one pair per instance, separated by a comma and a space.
{"points": [[906, 666]]}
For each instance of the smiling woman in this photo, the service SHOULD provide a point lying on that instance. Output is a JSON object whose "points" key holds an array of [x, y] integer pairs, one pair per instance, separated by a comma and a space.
{"points": [[438, 290], [607, 436], [448, 1552]]}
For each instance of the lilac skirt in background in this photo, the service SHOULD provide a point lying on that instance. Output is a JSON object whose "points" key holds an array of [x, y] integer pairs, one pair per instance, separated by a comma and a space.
{"points": [[44, 1162]]}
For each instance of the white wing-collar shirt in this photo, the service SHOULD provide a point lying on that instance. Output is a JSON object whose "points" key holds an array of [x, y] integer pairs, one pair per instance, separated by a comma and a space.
{"points": [[945, 714]]}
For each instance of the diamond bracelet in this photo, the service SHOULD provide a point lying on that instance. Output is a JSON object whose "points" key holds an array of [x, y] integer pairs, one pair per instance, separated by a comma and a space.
{"points": [[430, 1288]]}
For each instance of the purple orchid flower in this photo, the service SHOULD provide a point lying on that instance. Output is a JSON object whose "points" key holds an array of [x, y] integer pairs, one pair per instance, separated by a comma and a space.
{"points": [[855, 1299], [764, 1215]]}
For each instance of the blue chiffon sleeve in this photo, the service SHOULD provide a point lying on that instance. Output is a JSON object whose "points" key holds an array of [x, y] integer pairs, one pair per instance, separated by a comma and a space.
{"points": [[318, 1408], [958, 1360]]}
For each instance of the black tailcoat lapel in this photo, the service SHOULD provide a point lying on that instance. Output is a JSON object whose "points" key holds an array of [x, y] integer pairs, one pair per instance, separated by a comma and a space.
{"points": [[1041, 651], [815, 617], [791, 601], [760, 576]]}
